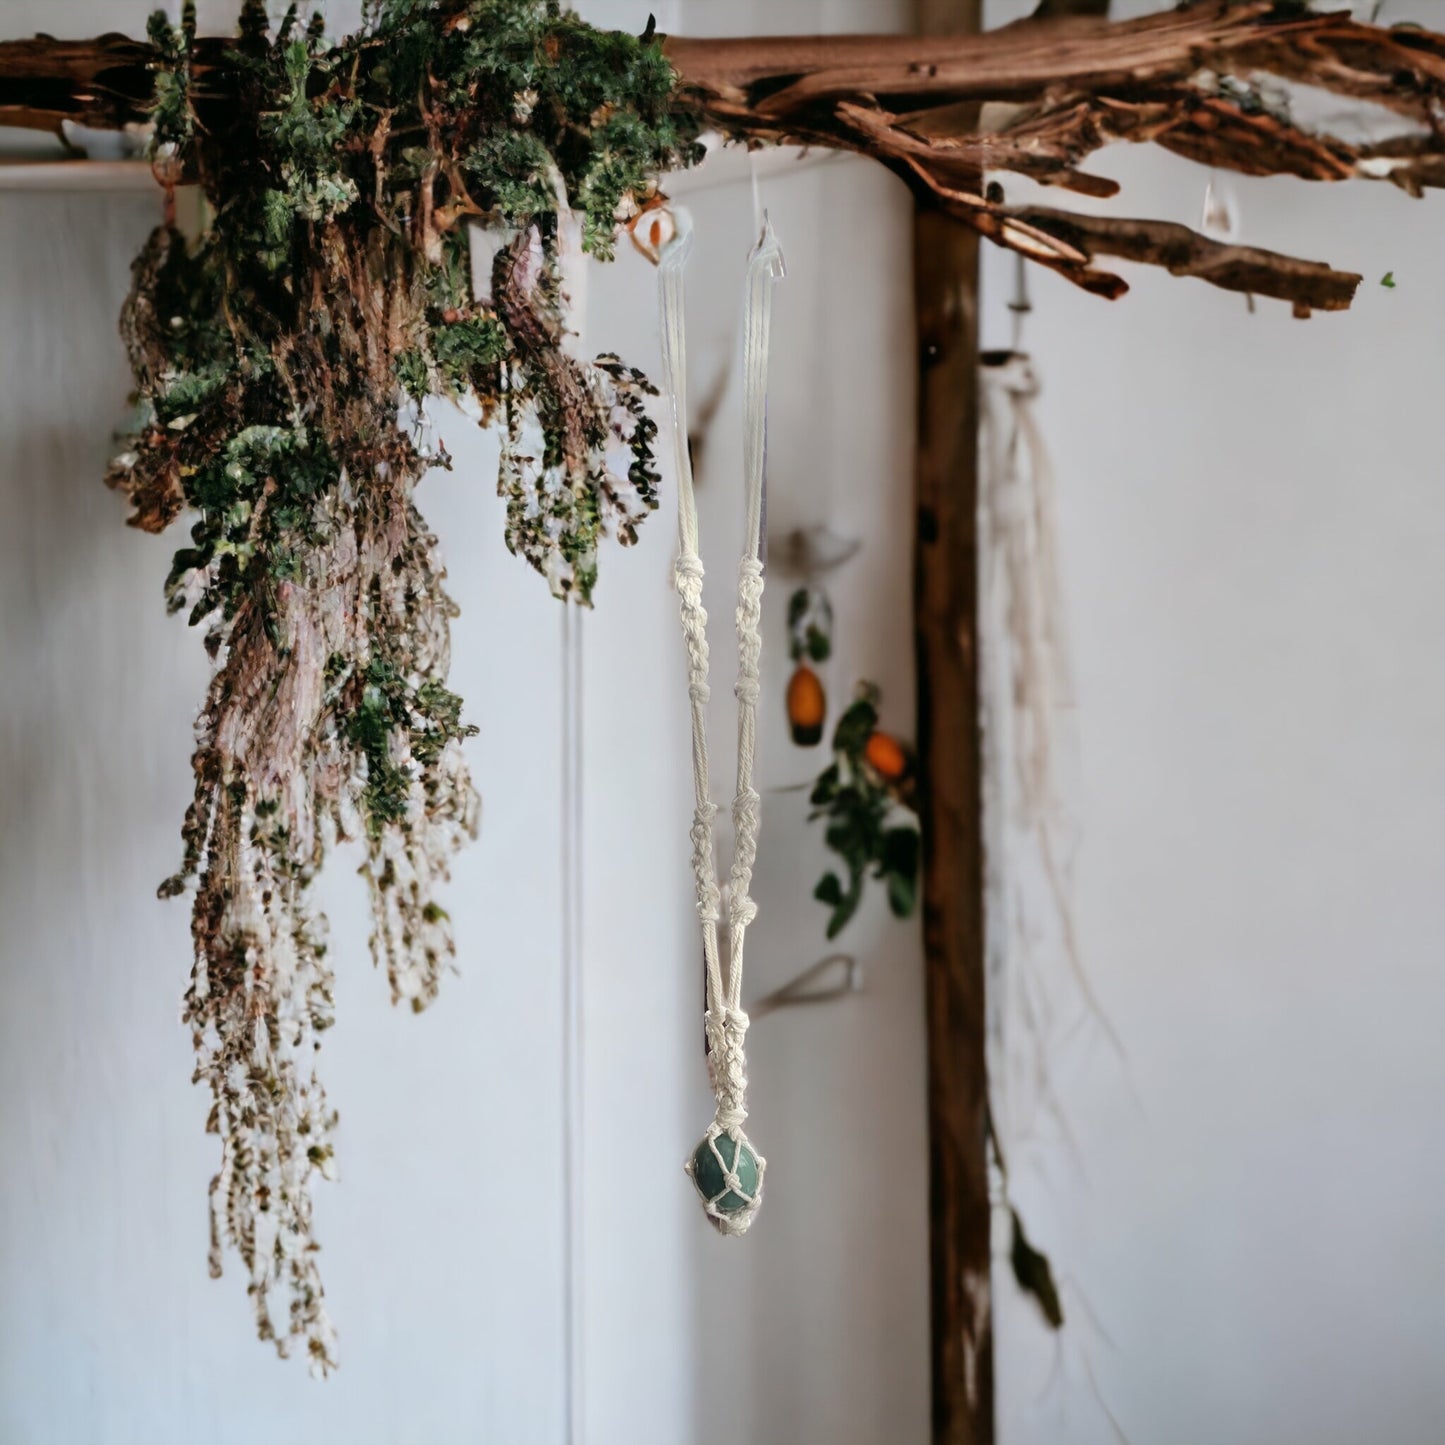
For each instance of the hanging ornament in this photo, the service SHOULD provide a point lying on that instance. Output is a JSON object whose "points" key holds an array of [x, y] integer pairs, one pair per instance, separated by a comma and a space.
{"points": [[807, 706], [1219, 216], [725, 1168], [1025, 696], [810, 640], [887, 756], [805, 554], [652, 227]]}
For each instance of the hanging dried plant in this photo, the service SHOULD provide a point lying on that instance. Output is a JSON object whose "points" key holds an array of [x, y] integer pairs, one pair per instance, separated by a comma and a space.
{"points": [[279, 358]]}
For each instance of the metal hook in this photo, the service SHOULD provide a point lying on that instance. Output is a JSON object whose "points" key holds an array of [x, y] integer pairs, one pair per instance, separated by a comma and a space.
{"points": [[805, 987]]}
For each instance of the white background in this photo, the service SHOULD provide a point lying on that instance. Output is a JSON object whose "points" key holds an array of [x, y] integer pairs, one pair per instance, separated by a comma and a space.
{"points": [[1251, 527]]}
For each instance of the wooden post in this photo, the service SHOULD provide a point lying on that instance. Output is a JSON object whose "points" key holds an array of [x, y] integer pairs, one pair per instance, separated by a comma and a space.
{"points": [[946, 613]]}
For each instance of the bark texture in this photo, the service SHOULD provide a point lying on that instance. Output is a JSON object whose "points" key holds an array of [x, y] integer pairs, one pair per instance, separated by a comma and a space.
{"points": [[1037, 98], [945, 272]]}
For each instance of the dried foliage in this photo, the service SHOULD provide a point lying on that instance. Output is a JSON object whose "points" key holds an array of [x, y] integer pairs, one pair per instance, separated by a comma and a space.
{"points": [[280, 360]]}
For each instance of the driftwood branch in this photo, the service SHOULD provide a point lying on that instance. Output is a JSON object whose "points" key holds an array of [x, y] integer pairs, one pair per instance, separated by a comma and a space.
{"points": [[1034, 99], [1039, 97]]}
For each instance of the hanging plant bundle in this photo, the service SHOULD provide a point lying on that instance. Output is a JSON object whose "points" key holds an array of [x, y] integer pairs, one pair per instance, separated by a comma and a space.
{"points": [[865, 794], [281, 358]]}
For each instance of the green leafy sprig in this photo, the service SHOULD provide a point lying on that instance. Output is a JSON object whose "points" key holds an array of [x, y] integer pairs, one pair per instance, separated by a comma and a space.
{"points": [[810, 625], [868, 826]]}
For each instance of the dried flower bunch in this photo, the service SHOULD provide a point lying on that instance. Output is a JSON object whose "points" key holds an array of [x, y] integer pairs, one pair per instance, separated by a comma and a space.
{"points": [[280, 360]]}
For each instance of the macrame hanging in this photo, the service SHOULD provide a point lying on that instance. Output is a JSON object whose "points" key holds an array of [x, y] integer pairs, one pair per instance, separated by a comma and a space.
{"points": [[726, 1169], [1028, 664], [1036, 980], [1024, 679], [1027, 702]]}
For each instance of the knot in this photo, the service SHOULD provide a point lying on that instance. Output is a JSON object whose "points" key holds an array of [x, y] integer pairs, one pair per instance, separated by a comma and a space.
{"points": [[726, 1029], [746, 821], [741, 908], [750, 590], [708, 896], [741, 911], [688, 573], [1014, 377], [749, 620], [708, 899]]}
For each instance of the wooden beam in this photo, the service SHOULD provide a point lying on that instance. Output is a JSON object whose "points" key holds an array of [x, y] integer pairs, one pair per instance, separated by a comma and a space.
{"points": [[946, 622]]}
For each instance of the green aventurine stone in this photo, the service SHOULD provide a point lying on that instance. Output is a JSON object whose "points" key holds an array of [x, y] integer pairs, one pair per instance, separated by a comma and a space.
{"points": [[711, 1181]]}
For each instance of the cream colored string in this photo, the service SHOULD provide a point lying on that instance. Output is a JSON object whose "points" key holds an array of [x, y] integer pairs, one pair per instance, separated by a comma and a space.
{"points": [[689, 574], [764, 267], [726, 1022]]}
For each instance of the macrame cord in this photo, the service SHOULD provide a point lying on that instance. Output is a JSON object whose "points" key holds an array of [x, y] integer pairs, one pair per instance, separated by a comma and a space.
{"points": [[726, 1169], [1027, 700]]}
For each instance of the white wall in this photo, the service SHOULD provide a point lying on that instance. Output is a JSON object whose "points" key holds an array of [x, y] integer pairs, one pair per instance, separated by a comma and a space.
{"points": [[1252, 527]]}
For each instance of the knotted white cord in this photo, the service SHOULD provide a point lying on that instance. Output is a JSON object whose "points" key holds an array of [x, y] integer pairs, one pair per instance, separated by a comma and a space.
{"points": [[726, 1023]]}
